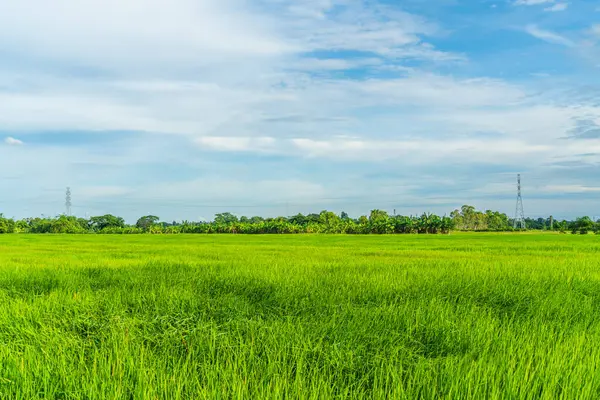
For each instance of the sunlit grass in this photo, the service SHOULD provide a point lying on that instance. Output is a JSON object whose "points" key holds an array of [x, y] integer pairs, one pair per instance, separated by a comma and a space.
{"points": [[258, 317]]}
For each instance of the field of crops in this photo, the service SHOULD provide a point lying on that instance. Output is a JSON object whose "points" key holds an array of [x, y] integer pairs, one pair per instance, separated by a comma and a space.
{"points": [[259, 317]]}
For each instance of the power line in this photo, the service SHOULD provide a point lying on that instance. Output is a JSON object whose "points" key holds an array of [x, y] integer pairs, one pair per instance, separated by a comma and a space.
{"points": [[68, 202], [519, 214]]}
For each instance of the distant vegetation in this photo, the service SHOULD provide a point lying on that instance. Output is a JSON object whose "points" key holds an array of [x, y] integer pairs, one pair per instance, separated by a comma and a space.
{"points": [[378, 222]]}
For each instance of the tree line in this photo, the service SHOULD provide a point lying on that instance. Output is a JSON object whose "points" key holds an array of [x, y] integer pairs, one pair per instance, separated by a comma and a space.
{"points": [[467, 218]]}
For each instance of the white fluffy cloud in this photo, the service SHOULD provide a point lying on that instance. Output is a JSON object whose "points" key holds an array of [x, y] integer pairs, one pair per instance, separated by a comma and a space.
{"points": [[557, 7], [11, 141], [113, 33], [548, 36], [256, 144], [532, 2]]}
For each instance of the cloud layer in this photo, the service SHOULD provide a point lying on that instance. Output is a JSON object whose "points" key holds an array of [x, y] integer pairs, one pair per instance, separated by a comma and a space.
{"points": [[191, 106], [11, 141]]}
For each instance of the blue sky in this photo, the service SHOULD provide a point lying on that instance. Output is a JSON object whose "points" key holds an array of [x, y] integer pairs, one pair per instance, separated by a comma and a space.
{"points": [[186, 108]]}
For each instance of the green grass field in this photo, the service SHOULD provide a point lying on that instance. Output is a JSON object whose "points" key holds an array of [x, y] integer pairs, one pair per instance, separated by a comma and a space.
{"points": [[258, 317]]}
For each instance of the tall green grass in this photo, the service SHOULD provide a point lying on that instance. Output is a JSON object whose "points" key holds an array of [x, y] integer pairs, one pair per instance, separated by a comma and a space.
{"points": [[311, 317]]}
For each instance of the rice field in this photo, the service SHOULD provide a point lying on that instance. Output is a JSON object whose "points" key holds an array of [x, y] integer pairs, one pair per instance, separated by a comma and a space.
{"points": [[464, 316]]}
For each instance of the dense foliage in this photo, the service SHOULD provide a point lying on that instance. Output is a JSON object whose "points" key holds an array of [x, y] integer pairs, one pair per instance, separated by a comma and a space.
{"points": [[378, 222]]}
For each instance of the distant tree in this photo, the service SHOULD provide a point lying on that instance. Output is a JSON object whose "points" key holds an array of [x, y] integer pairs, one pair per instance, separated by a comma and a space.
{"points": [[561, 226], [106, 221], [298, 219], [84, 224], [65, 224], [496, 221], [535, 224], [479, 221], [330, 221], [314, 218], [226, 218], [447, 225], [21, 226], [380, 222], [256, 220], [328, 217], [146, 222], [583, 225], [458, 220], [6, 225], [362, 220], [468, 215]]}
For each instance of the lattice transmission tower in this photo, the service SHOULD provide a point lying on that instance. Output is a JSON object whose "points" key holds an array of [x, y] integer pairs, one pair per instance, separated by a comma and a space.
{"points": [[519, 221], [68, 202]]}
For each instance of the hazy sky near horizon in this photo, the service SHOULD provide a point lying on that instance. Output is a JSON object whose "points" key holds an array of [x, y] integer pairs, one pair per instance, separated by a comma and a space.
{"points": [[186, 108]]}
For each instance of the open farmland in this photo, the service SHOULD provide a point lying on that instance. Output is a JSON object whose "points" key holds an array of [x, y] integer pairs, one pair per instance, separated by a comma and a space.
{"points": [[258, 317]]}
